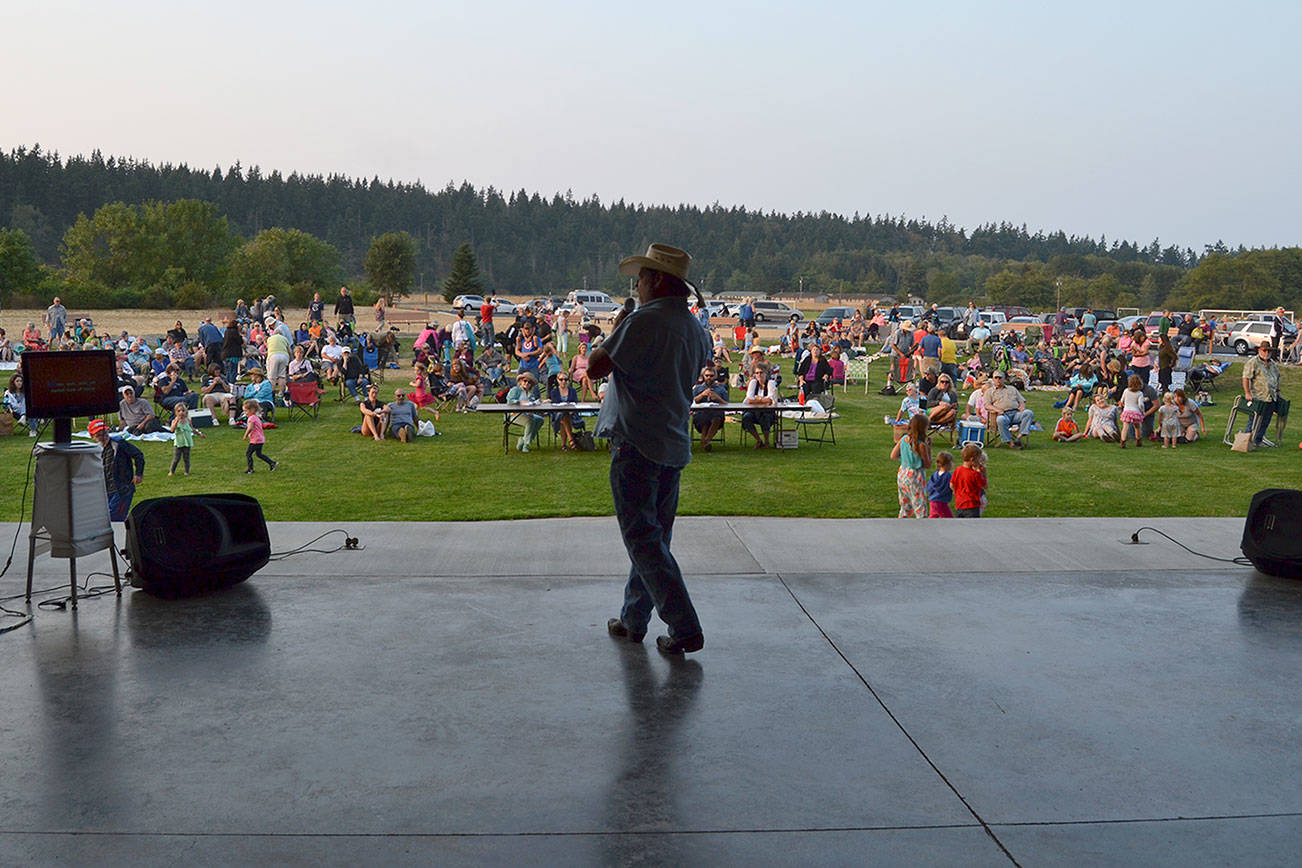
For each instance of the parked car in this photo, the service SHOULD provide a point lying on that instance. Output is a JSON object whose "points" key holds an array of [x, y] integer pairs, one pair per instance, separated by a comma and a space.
{"points": [[596, 309], [1153, 319], [1127, 323], [910, 311], [467, 302], [845, 314], [1009, 310], [777, 311], [993, 318], [1247, 335], [1051, 318], [588, 297], [718, 309], [1100, 313]]}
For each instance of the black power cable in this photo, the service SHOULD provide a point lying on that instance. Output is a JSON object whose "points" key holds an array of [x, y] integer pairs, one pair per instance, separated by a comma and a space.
{"points": [[1240, 561], [13, 547], [22, 504]]}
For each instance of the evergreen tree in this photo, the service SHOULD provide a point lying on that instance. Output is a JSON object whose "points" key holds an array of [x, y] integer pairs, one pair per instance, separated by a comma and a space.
{"points": [[464, 279]]}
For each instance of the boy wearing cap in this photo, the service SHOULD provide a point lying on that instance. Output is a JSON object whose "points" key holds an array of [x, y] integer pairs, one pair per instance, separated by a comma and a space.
{"points": [[653, 356], [124, 468]]}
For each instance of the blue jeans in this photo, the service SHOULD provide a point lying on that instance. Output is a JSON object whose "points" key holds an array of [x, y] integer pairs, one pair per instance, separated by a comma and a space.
{"points": [[1262, 412], [1021, 418], [646, 500], [352, 385], [232, 369], [119, 502]]}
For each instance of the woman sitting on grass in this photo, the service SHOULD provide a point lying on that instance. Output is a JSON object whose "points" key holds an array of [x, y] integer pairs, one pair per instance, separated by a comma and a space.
{"points": [[1190, 416], [1102, 421]]}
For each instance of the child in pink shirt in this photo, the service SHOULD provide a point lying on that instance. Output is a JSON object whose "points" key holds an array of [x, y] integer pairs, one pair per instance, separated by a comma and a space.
{"points": [[254, 433]]}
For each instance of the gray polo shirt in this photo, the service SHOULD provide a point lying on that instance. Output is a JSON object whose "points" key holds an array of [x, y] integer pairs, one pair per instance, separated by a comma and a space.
{"points": [[402, 414], [658, 352]]}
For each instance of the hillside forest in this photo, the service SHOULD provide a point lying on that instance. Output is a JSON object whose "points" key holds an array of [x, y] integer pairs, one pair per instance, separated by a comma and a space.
{"points": [[122, 232]]}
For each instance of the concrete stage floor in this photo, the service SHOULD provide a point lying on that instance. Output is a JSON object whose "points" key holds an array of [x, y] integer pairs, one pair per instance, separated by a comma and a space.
{"points": [[986, 692]]}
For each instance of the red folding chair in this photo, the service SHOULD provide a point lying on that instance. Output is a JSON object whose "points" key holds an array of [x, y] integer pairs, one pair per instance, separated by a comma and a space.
{"points": [[305, 398]]}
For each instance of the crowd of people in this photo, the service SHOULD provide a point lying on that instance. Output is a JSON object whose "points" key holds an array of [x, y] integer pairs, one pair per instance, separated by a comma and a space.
{"points": [[240, 371]]}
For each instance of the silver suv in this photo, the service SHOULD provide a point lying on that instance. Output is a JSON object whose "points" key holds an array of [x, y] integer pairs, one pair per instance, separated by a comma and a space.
{"points": [[1247, 335]]}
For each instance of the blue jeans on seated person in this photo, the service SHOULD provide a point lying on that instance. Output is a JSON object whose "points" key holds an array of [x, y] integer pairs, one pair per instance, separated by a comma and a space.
{"points": [[189, 399], [1007, 419], [352, 385], [646, 501]]}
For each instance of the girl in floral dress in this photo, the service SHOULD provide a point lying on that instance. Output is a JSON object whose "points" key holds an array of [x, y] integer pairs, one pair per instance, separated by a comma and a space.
{"points": [[914, 454]]}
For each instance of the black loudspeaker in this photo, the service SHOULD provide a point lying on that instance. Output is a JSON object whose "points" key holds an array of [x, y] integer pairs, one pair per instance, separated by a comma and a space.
{"points": [[182, 546], [1272, 534]]}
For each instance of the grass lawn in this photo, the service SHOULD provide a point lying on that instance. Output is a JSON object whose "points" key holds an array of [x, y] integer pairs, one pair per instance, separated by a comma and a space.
{"points": [[329, 474]]}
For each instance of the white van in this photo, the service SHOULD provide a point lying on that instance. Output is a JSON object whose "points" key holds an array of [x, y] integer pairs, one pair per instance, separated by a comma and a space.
{"points": [[588, 297]]}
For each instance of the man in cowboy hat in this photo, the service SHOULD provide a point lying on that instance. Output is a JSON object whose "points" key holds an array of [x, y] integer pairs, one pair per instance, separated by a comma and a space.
{"points": [[653, 356]]}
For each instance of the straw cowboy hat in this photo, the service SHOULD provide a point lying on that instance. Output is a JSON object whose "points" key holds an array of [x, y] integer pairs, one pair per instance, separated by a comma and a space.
{"points": [[659, 257], [526, 375]]}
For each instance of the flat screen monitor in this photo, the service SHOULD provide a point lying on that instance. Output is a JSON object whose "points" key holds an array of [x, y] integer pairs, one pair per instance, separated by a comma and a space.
{"points": [[63, 385]]}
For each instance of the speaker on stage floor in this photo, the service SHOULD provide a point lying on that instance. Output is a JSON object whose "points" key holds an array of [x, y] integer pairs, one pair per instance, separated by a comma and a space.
{"points": [[182, 546], [1272, 534]]}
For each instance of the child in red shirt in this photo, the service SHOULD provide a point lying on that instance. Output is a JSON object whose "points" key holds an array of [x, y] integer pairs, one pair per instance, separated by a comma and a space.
{"points": [[969, 482]]}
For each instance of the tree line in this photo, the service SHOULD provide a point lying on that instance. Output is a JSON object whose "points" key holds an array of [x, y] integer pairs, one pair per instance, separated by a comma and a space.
{"points": [[127, 232]]}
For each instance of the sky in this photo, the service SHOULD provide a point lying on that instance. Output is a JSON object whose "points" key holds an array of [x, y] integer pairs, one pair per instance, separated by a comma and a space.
{"points": [[1134, 121]]}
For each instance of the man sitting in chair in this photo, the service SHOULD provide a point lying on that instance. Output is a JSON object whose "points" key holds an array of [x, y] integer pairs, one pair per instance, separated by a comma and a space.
{"points": [[709, 391], [353, 370], [1009, 408]]}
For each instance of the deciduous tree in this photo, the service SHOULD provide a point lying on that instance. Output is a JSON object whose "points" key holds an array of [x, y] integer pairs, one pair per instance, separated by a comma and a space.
{"points": [[19, 270], [391, 264]]}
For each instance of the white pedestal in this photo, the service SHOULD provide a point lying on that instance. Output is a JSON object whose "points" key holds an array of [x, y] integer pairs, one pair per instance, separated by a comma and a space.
{"points": [[70, 515]]}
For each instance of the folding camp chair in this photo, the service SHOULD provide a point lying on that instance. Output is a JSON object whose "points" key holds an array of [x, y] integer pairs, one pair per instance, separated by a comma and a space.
{"points": [[822, 417], [1240, 404], [304, 398], [856, 369], [371, 359]]}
